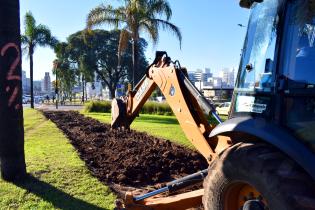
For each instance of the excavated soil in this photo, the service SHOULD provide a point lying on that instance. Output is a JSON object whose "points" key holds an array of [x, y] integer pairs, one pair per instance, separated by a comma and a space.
{"points": [[126, 158]]}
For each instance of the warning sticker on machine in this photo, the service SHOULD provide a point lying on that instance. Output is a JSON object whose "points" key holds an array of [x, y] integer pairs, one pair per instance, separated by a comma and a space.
{"points": [[247, 104]]}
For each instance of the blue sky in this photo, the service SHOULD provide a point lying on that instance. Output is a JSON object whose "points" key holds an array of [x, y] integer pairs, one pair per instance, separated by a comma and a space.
{"points": [[211, 36]]}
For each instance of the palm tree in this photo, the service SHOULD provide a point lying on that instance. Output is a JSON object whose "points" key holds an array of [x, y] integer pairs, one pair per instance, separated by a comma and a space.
{"points": [[133, 17], [35, 35], [12, 160]]}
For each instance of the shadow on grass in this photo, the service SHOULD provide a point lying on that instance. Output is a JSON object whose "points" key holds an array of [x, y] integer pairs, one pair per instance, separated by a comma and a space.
{"points": [[51, 194]]}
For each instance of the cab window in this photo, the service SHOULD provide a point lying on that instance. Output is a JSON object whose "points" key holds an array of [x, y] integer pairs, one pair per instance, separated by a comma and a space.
{"points": [[299, 44], [256, 66]]}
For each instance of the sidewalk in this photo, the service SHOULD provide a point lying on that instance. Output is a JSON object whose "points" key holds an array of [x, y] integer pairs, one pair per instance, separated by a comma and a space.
{"points": [[60, 107]]}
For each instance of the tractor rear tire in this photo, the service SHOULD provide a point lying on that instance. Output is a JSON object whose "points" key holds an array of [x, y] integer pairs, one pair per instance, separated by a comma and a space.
{"points": [[282, 184]]}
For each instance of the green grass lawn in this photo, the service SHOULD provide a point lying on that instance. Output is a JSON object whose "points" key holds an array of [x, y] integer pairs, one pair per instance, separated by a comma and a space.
{"points": [[58, 178], [157, 125]]}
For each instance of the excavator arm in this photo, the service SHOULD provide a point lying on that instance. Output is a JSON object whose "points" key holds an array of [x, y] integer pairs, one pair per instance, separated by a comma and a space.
{"points": [[180, 94]]}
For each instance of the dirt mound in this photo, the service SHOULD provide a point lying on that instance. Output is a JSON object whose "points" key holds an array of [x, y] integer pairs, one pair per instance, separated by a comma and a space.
{"points": [[129, 158]]}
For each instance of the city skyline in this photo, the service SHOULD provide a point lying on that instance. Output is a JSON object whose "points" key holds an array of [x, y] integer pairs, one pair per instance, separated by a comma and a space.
{"points": [[43, 85], [204, 78]]}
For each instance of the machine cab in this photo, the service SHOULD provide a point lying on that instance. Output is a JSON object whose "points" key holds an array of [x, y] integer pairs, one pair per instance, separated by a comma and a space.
{"points": [[276, 77]]}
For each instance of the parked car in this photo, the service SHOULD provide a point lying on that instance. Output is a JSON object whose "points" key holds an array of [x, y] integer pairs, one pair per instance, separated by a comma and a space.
{"points": [[26, 99], [224, 108]]}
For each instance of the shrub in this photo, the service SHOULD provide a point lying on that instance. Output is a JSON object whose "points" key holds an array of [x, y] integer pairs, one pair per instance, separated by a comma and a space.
{"points": [[152, 107], [98, 106], [149, 107]]}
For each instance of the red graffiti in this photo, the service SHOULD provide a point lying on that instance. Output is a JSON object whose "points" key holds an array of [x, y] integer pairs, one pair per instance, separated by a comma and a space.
{"points": [[11, 76], [16, 62], [13, 96]]}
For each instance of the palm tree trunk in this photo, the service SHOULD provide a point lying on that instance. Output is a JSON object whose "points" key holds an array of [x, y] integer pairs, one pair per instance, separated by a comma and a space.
{"points": [[12, 160], [135, 60], [31, 78]]}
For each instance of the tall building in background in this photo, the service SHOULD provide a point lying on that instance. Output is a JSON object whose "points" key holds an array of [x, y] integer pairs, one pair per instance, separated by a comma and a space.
{"points": [[191, 77], [26, 85], [199, 75], [24, 77], [37, 87], [24, 82], [46, 83], [224, 74], [219, 87], [232, 78], [227, 76], [206, 77], [201, 78]]}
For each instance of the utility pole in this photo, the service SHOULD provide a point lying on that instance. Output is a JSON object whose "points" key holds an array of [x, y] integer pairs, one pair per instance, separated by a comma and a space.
{"points": [[56, 83], [57, 90], [12, 159]]}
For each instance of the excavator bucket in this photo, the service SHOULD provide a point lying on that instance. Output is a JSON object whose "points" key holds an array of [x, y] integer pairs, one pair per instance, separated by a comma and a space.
{"points": [[118, 113]]}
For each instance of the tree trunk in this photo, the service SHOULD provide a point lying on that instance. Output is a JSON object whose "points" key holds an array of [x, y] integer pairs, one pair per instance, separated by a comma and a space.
{"points": [[32, 77], [86, 96], [12, 160], [111, 92]]}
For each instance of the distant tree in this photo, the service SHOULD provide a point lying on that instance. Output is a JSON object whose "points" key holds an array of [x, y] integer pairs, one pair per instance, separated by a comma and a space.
{"points": [[35, 35], [96, 52], [64, 70], [132, 18], [107, 69], [12, 161], [82, 56]]}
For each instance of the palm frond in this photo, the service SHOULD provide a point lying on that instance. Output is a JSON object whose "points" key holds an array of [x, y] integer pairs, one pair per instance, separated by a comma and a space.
{"points": [[159, 7], [169, 26], [43, 36], [25, 50], [30, 24], [105, 14], [53, 42], [60, 48], [151, 29], [24, 40]]}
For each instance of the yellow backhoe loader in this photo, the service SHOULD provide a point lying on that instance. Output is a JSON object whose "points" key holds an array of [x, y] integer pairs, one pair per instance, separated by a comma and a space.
{"points": [[263, 156]]}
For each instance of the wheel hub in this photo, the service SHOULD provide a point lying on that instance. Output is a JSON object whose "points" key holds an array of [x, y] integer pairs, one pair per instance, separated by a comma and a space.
{"points": [[243, 196], [253, 205]]}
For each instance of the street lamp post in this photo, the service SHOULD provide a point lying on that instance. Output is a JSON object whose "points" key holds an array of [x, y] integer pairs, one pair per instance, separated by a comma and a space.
{"points": [[56, 83], [57, 90]]}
